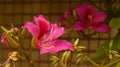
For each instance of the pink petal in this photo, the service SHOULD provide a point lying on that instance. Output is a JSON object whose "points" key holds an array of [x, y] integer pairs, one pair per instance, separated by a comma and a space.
{"points": [[43, 51], [89, 8], [3, 39], [99, 17], [57, 31], [101, 27], [32, 28], [81, 12], [40, 19], [78, 26], [60, 45], [43, 24], [84, 11]]}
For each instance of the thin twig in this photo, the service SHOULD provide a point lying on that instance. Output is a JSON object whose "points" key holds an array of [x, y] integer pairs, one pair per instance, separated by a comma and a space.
{"points": [[94, 63], [111, 63]]}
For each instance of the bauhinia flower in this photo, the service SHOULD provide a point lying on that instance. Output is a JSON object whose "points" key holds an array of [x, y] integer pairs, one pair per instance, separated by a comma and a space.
{"points": [[90, 19], [46, 36]]}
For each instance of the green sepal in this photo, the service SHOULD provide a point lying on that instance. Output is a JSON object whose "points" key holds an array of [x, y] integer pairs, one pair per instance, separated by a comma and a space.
{"points": [[115, 23], [13, 42], [4, 29]]}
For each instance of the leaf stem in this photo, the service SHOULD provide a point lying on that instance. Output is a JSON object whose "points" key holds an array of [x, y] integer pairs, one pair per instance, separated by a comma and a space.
{"points": [[111, 63], [30, 62], [92, 61]]}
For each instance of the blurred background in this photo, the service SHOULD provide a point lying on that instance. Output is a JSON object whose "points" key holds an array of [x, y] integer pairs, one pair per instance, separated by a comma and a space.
{"points": [[21, 11]]}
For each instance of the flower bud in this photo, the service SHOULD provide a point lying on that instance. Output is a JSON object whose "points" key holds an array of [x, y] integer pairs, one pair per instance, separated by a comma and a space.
{"points": [[12, 41]]}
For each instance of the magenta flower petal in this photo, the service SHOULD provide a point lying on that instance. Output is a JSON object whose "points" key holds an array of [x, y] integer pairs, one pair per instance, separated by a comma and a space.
{"points": [[56, 31], [81, 12], [58, 45], [3, 39], [101, 27], [43, 24], [78, 26], [41, 20], [89, 8], [32, 28], [99, 17], [43, 51]]}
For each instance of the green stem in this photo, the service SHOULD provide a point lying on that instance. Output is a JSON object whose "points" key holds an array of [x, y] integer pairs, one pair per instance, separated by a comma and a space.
{"points": [[63, 65], [30, 62], [111, 63], [86, 35], [71, 58], [92, 61]]}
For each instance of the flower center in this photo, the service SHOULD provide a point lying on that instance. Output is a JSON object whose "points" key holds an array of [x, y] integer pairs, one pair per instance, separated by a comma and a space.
{"points": [[89, 17], [88, 20], [47, 39]]}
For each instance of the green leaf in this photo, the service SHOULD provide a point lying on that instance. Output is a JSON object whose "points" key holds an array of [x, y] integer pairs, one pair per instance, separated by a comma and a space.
{"points": [[116, 41], [103, 47], [95, 59], [108, 45], [118, 64], [115, 23]]}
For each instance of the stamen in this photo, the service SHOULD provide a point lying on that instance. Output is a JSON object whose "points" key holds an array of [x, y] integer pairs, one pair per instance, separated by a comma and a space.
{"points": [[7, 61], [51, 30], [89, 16], [48, 39], [54, 31], [44, 37], [47, 47]]}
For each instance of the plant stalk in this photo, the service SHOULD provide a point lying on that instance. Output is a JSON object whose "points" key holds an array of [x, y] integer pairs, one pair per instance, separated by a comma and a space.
{"points": [[92, 61]]}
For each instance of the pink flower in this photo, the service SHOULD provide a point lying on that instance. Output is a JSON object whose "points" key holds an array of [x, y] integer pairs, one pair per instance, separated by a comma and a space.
{"points": [[67, 15], [90, 19], [46, 35]]}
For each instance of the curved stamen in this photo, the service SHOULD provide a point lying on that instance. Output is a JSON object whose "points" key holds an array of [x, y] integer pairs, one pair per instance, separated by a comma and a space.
{"points": [[47, 47]]}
